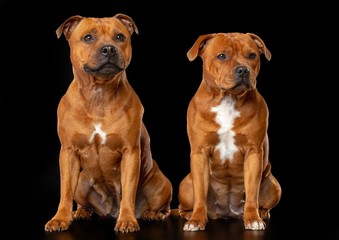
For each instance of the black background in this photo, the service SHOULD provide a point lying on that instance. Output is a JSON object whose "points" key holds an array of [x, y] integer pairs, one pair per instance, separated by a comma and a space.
{"points": [[299, 85]]}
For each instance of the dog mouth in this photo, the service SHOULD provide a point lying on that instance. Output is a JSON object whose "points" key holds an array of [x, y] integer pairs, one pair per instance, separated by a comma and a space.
{"points": [[242, 86], [106, 69], [238, 88]]}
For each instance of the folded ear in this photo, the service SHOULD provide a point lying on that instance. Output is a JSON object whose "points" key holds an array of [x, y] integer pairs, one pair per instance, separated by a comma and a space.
{"points": [[128, 22], [198, 46], [68, 26], [261, 45]]}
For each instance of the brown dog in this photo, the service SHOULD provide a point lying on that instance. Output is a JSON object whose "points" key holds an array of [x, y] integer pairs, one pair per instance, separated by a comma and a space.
{"points": [[106, 164], [227, 123]]}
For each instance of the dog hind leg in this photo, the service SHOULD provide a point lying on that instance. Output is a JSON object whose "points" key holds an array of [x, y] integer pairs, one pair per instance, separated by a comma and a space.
{"points": [[186, 197], [158, 195], [269, 196]]}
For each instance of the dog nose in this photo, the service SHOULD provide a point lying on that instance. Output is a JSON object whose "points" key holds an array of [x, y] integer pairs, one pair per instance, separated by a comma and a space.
{"points": [[108, 50], [242, 72]]}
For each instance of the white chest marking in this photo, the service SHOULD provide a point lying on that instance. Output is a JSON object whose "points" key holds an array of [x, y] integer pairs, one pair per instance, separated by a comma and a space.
{"points": [[225, 115], [98, 91], [98, 131]]}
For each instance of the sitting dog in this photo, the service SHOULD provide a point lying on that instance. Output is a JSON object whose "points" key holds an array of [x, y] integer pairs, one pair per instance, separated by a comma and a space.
{"points": [[105, 160], [227, 122]]}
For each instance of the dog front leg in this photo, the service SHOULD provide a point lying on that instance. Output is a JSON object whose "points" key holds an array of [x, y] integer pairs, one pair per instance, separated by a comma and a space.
{"points": [[252, 177], [200, 179], [69, 172], [130, 171]]}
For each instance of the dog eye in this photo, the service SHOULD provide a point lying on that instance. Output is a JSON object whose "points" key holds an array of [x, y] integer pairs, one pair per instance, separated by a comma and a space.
{"points": [[222, 56], [88, 38], [120, 37], [252, 56]]}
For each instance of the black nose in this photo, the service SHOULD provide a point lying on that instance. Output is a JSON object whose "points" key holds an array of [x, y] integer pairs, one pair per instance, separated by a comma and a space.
{"points": [[108, 50], [241, 72]]}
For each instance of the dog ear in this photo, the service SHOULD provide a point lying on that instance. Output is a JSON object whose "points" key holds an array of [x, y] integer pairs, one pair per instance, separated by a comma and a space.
{"points": [[198, 46], [128, 22], [261, 45], [68, 26]]}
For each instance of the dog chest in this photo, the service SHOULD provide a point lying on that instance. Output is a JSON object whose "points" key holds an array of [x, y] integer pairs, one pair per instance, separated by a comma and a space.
{"points": [[98, 148], [225, 114]]}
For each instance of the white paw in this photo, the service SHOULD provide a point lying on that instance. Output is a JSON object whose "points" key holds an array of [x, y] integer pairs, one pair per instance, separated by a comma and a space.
{"points": [[191, 228], [256, 225]]}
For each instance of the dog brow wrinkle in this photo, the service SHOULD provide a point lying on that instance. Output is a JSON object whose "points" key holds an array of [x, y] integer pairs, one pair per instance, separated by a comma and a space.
{"points": [[225, 115]]}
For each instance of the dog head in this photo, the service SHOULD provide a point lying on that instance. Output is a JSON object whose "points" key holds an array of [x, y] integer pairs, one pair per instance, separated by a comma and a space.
{"points": [[231, 61], [99, 47]]}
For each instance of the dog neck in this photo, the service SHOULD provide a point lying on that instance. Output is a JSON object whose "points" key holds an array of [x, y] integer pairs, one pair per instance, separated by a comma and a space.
{"points": [[100, 93], [216, 95]]}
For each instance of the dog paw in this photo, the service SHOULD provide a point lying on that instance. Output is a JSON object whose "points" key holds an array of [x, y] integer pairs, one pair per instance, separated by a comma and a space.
{"points": [[57, 225], [264, 214], [156, 215], [194, 225], [82, 213], [255, 224], [185, 214], [126, 226]]}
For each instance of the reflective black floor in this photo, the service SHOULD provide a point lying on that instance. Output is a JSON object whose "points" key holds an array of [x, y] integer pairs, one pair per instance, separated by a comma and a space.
{"points": [[170, 229], [25, 221]]}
